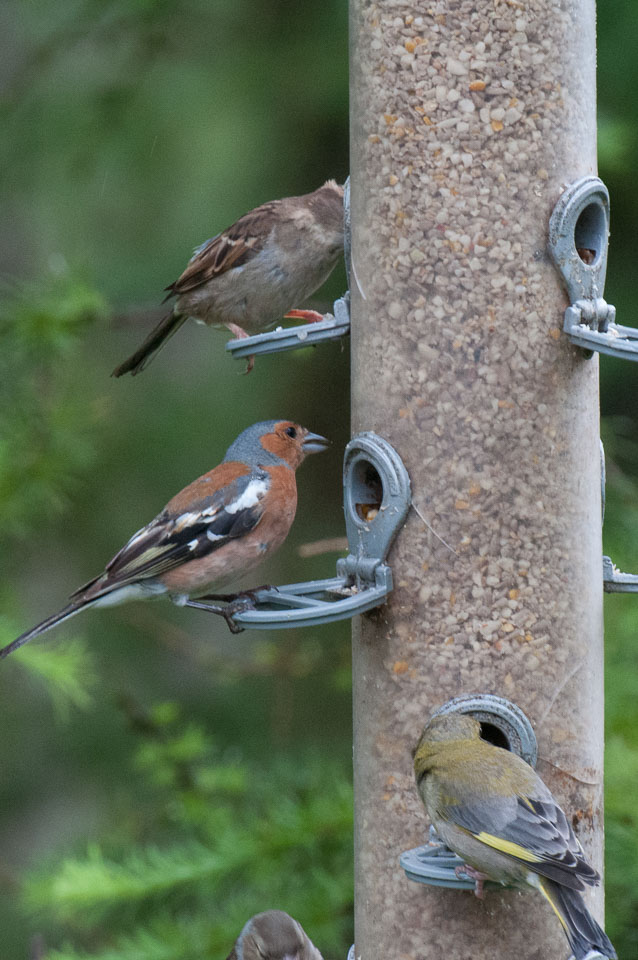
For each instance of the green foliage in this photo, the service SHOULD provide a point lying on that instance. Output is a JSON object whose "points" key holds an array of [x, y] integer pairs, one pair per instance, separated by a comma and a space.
{"points": [[231, 839], [67, 672], [180, 939], [620, 840], [44, 425], [45, 441], [620, 435]]}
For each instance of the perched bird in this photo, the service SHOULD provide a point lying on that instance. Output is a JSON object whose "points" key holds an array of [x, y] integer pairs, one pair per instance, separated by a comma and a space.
{"points": [[273, 935], [495, 812], [252, 274], [216, 529]]}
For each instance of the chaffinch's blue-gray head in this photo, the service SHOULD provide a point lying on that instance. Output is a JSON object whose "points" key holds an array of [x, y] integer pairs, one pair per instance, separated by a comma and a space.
{"points": [[274, 442]]}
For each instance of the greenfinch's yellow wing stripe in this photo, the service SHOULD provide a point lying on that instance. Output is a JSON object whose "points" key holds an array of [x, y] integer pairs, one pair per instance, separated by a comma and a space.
{"points": [[507, 846]]}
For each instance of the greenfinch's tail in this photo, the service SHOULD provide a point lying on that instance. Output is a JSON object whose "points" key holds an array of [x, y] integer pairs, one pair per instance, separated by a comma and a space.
{"points": [[156, 339], [582, 931]]}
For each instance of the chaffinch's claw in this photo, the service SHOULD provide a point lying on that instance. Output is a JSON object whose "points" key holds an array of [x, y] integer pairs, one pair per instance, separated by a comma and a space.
{"points": [[238, 605]]}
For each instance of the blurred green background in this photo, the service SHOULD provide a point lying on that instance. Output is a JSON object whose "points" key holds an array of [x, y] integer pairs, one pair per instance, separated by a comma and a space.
{"points": [[162, 780]]}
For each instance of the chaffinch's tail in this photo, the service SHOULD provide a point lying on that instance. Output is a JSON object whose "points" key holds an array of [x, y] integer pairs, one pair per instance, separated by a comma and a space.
{"points": [[156, 339], [583, 933], [69, 611]]}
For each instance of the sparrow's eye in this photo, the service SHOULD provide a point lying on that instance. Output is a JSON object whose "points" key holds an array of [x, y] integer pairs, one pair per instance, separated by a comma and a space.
{"points": [[291, 432]]}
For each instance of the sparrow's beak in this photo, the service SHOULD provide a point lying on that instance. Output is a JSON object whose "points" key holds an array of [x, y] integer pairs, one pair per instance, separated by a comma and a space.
{"points": [[314, 443]]}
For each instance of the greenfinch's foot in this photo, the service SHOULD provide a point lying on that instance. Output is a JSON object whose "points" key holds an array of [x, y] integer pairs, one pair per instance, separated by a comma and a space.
{"points": [[479, 878]]}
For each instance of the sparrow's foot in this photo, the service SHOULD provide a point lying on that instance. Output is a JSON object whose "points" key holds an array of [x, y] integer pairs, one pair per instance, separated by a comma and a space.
{"points": [[475, 875], [238, 332], [310, 316]]}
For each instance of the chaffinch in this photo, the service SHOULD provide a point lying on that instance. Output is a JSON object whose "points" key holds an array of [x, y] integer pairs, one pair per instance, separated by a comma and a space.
{"points": [[273, 935], [495, 812], [252, 274], [218, 528]]}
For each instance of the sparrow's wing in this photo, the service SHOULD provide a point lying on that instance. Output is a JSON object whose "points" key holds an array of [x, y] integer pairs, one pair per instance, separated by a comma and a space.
{"points": [[531, 830], [231, 248], [174, 538]]}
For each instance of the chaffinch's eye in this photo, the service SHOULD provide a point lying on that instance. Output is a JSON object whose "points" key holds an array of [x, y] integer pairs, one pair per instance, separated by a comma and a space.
{"points": [[291, 432]]}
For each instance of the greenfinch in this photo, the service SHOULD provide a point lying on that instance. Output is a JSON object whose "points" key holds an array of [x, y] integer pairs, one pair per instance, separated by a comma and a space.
{"points": [[494, 811], [273, 935]]}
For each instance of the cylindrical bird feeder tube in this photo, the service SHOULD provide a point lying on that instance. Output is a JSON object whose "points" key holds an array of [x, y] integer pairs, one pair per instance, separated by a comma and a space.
{"points": [[468, 120]]}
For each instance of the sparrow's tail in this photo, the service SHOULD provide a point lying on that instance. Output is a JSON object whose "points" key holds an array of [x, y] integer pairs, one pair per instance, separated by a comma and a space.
{"points": [[583, 933], [69, 611], [156, 339]]}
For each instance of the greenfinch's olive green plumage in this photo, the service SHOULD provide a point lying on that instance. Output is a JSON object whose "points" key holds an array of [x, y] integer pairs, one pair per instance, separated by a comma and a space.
{"points": [[495, 812]]}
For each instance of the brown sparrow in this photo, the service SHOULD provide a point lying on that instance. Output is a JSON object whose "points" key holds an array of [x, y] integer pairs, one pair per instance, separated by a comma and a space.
{"points": [[250, 275], [273, 935]]}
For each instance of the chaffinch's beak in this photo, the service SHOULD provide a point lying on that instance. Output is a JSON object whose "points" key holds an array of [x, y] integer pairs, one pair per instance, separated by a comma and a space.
{"points": [[314, 443]]}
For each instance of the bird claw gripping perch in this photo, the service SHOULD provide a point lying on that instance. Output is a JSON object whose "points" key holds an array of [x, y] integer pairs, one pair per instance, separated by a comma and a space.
{"points": [[234, 605], [376, 502], [332, 326], [578, 240]]}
